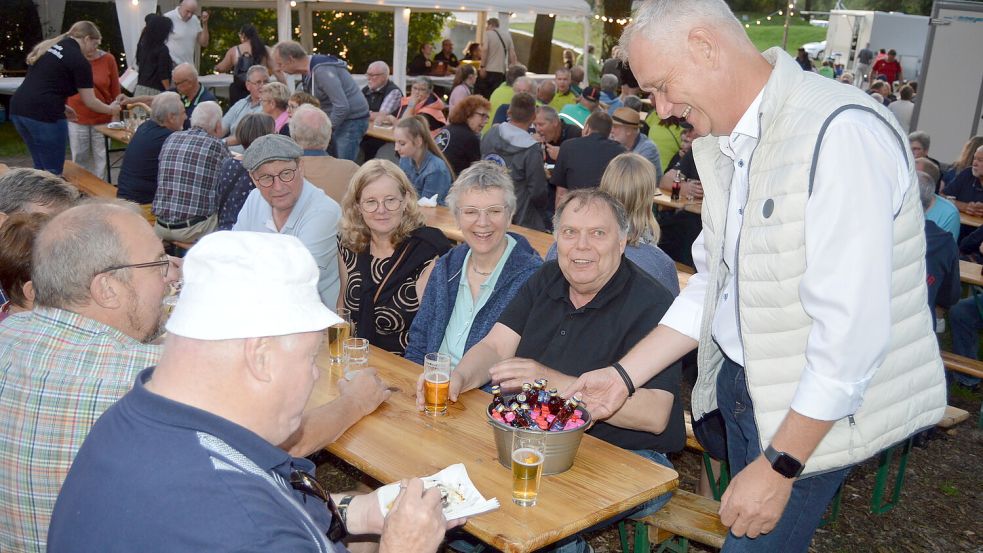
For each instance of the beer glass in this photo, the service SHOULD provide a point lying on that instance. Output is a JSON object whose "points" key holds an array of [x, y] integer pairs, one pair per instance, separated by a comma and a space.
{"points": [[436, 382], [528, 454], [337, 334], [356, 353]]}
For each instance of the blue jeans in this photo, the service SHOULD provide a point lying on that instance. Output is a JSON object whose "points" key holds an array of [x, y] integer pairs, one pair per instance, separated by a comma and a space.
{"points": [[45, 141], [966, 323], [346, 138], [810, 495]]}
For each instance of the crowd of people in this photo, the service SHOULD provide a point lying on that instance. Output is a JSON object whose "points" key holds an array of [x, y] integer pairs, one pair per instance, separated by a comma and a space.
{"points": [[272, 216]]}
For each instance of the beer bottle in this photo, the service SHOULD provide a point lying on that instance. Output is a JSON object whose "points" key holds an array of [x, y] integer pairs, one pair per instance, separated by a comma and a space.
{"points": [[519, 421], [497, 395], [565, 413]]}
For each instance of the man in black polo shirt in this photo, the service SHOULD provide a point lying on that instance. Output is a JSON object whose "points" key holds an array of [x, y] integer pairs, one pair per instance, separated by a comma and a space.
{"points": [[553, 131], [589, 306], [583, 160], [138, 176]]}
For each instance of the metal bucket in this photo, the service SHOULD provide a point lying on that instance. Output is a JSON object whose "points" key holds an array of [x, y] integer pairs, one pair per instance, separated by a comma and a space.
{"points": [[561, 447]]}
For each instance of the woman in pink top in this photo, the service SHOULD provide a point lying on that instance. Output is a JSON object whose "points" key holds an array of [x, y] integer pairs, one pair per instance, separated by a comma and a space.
{"points": [[464, 80], [274, 98], [88, 145]]}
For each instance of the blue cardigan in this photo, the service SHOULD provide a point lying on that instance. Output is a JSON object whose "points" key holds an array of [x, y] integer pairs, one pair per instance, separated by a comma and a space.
{"points": [[430, 323]]}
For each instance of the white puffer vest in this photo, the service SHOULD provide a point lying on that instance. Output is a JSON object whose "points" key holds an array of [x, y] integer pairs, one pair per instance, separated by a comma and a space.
{"points": [[907, 392]]}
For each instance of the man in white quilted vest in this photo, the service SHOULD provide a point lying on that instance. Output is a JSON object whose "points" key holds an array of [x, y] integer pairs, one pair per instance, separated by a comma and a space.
{"points": [[809, 305]]}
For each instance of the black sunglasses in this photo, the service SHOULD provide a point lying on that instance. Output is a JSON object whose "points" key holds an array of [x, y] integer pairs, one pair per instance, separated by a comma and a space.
{"points": [[308, 485]]}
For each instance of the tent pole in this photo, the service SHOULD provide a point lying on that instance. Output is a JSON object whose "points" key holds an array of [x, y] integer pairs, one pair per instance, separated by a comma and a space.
{"points": [[401, 35], [283, 20], [307, 26], [586, 56]]}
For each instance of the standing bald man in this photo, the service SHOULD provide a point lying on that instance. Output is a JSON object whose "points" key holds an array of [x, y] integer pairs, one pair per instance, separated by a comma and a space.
{"points": [[190, 32], [815, 346]]}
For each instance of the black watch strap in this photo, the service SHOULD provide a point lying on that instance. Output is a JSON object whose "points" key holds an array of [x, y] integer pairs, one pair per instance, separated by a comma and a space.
{"points": [[783, 463], [343, 508]]}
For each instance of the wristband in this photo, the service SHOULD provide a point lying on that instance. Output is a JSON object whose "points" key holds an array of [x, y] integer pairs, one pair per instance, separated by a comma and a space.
{"points": [[624, 376], [343, 508]]}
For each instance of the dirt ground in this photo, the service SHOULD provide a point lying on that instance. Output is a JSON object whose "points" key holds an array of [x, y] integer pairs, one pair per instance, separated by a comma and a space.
{"points": [[940, 510]]}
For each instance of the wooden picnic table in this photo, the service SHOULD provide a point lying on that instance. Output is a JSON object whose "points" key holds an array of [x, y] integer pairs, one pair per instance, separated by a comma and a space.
{"points": [[119, 135], [970, 273], [662, 199], [971, 220], [397, 441]]}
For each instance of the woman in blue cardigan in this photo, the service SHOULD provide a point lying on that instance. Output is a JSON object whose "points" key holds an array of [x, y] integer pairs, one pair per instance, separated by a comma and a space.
{"points": [[470, 286]]}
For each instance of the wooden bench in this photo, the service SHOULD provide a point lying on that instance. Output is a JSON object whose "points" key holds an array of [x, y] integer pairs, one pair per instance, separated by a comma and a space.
{"points": [[86, 182], [687, 517], [964, 365]]}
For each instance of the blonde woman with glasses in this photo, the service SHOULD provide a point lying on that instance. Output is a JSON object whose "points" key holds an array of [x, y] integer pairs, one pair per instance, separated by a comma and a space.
{"points": [[385, 252], [471, 285]]}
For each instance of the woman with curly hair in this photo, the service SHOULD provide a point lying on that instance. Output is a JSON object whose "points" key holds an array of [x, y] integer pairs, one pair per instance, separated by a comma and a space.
{"points": [[460, 138], [385, 254]]}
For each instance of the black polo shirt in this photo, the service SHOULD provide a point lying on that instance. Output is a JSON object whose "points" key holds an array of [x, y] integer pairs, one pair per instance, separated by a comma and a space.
{"points": [[59, 73], [583, 160], [575, 341], [567, 131], [965, 187]]}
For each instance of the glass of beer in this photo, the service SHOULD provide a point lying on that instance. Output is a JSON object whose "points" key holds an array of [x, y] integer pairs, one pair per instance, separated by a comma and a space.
{"points": [[337, 334], [528, 454], [356, 354], [436, 382]]}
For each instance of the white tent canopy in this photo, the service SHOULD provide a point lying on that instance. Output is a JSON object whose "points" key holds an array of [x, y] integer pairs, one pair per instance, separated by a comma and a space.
{"points": [[132, 12]]}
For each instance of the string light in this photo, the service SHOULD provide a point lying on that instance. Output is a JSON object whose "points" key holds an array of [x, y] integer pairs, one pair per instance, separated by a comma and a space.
{"points": [[135, 2], [293, 3]]}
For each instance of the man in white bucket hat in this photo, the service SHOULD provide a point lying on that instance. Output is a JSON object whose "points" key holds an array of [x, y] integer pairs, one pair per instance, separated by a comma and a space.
{"points": [[188, 459]]}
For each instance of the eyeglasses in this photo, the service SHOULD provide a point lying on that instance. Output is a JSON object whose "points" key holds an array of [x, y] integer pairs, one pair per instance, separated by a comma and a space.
{"points": [[164, 264], [266, 181], [470, 213], [391, 203], [482, 114], [308, 485], [374, 74], [258, 83]]}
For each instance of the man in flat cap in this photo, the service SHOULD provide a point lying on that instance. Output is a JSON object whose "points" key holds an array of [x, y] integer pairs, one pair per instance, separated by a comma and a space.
{"points": [[286, 203], [187, 460], [626, 125]]}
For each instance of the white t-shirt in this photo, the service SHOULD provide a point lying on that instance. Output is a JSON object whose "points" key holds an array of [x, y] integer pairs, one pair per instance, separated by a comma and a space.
{"points": [[183, 40]]}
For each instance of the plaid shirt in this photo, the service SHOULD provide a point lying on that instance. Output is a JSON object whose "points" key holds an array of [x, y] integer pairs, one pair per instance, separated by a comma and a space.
{"points": [[58, 372], [189, 170]]}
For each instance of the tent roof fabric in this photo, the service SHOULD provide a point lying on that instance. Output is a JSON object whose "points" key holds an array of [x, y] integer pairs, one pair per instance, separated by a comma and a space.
{"points": [[557, 7]]}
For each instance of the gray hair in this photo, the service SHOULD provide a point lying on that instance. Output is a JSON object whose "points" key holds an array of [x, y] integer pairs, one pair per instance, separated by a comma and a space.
{"points": [[73, 248], [482, 176], [549, 112], [528, 85], [926, 189], [289, 49], [253, 69], [310, 128], [609, 83], [206, 115], [633, 102], [21, 187], [663, 19], [381, 65], [165, 105], [424, 81], [514, 71], [920, 137], [587, 196]]}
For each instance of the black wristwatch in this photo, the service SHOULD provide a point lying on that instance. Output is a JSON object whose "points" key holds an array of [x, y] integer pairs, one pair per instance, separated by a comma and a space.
{"points": [[783, 463], [343, 508]]}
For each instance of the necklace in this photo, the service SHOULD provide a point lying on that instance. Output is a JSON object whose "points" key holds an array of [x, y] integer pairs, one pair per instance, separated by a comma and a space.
{"points": [[475, 269]]}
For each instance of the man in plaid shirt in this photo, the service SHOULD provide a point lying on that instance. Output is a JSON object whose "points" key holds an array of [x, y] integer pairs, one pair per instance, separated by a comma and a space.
{"points": [[100, 276], [189, 171]]}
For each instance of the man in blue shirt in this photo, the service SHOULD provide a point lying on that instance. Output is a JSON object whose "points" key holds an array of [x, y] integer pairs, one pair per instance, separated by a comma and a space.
{"points": [[187, 460], [138, 176]]}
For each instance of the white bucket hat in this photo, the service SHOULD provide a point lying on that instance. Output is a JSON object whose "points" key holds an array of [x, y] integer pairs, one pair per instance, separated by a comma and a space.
{"points": [[249, 285]]}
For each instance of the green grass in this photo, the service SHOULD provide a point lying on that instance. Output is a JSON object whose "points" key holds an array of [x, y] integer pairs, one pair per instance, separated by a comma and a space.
{"points": [[11, 144], [764, 36]]}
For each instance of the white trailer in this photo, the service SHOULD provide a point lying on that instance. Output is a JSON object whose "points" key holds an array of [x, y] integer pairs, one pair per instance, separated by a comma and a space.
{"points": [[950, 96], [850, 30]]}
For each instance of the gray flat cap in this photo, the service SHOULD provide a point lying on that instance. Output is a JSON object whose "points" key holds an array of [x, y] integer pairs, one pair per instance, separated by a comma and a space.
{"points": [[271, 147]]}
